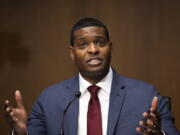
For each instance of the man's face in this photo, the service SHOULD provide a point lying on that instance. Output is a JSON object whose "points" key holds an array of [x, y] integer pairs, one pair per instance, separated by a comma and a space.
{"points": [[91, 51]]}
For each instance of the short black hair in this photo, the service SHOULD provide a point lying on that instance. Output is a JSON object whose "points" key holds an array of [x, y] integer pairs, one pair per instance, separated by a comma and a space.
{"points": [[87, 22]]}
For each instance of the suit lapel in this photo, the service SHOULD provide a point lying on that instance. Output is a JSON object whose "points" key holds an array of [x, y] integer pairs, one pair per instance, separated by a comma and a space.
{"points": [[73, 111], [116, 102]]}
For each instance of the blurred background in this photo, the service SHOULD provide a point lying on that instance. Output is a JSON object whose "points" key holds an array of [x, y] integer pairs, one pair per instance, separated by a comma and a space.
{"points": [[34, 40]]}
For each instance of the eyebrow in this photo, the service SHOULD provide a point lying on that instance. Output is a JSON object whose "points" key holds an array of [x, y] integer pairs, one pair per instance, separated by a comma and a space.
{"points": [[82, 38]]}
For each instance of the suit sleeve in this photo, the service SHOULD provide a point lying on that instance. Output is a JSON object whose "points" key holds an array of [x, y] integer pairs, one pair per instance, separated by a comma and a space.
{"points": [[36, 121], [167, 120]]}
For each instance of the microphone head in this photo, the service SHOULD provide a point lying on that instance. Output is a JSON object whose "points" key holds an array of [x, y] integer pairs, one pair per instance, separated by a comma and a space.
{"points": [[77, 94]]}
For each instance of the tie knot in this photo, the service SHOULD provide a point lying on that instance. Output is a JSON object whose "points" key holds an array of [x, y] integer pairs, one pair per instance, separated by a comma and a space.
{"points": [[93, 89]]}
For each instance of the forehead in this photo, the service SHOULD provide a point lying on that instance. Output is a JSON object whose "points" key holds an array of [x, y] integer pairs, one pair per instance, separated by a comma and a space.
{"points": [[89, 32]]}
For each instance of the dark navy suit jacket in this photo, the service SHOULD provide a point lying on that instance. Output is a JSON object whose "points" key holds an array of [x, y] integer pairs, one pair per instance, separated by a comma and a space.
{"points": [[129, 98]]}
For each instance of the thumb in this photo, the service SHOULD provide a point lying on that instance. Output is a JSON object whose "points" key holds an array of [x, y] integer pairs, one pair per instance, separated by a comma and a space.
{"points": [[18, 98], [154, 103]]}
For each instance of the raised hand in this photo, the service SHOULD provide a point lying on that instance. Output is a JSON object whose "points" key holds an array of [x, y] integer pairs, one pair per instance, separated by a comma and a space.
{"points": [[17, 115], [152, 123]]}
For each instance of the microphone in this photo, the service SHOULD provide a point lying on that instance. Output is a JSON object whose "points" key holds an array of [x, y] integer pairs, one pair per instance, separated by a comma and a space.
{"points": [[77, 95]]}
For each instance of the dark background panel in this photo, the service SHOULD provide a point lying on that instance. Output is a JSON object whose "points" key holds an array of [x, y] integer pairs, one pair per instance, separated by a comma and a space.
{"points": [[34, 39]]}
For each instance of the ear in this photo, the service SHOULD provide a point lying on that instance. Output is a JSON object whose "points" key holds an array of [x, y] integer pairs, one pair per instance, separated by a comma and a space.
{"points": [[71, 52]]}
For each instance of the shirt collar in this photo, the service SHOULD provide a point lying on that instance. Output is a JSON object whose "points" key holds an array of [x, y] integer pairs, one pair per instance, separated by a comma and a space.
{"points": [[105, 83]]}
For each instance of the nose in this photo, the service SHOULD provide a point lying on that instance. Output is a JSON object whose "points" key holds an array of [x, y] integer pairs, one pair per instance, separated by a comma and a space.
{"points": [[93, 49]]}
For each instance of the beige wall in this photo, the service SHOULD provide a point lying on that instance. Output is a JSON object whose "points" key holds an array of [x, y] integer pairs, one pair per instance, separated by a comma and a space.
{"points": [[34, 39]]}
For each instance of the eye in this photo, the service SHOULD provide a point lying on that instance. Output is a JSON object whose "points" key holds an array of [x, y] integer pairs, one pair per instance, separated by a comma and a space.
{"points": [[81, 44], [101, 42]]}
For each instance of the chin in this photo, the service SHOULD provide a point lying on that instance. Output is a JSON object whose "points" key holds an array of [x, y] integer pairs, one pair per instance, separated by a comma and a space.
{"points": [[97, 71]]}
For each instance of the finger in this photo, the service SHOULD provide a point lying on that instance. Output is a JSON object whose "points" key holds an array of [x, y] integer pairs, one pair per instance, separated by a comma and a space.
{"points": [[9, 113], [9, 109], [149, 124], [149, 115], [152, 118], [146, 127], [141, 131], [14, 119], [141, 123], [154, 104], [138, 129], [152, 123], [6, 104], [18, 98], [145, 114], [149, 121]]}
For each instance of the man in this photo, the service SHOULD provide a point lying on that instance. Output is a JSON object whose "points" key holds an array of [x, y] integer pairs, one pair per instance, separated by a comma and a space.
{"points": [[110, 104]]}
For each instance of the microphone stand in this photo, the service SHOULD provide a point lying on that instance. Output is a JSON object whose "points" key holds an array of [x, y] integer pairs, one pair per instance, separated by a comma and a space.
{"points": [[77, 95]]}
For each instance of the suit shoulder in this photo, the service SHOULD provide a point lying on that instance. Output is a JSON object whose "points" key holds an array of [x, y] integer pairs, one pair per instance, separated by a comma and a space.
{"points": [[59, 87], [133, 81], [62, 83], [135, 84], [138, 89]]}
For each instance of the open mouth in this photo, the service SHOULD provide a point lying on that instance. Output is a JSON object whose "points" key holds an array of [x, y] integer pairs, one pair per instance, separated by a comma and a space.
{"points": [[94, 62]]}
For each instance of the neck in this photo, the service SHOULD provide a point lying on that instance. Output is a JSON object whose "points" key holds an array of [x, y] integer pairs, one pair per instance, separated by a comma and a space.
{"points": [[94, 78]]}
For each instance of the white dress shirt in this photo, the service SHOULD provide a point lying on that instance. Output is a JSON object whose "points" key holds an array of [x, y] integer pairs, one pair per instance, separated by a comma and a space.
{"points": [[103, 94]]}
